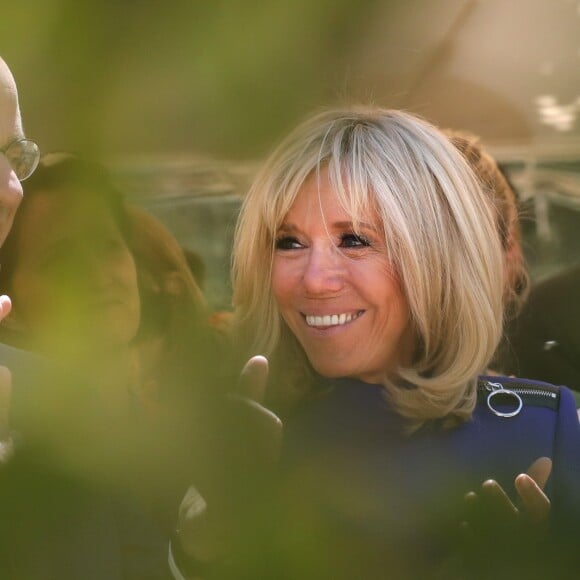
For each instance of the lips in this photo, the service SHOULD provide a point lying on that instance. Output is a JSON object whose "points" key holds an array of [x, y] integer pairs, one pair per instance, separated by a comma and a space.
{"points": [[327, 320]]}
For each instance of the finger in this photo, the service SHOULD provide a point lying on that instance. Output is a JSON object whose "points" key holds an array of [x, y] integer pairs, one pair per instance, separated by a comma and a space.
{"points": [[496, 498], [540, 471], [535, 501], [5, 306], [471, 503], [192, 505], [261, 428], [5, 395], [254, 378], [198, 535]]}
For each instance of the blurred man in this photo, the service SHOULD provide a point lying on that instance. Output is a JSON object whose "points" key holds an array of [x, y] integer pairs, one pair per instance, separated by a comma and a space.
{"points": [[19, 155], [18, 160]]}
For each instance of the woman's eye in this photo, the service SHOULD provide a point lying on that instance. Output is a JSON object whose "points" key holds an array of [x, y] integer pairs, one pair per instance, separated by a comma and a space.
{"points": [[353, 241], [287, 243]]}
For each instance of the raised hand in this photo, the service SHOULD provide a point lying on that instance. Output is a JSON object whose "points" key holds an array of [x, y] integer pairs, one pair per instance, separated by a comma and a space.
{"points": [[264, 428], [254, 378], [534, 504], [6, 447], [519, 522], [514, 527], [252, 434], [530, 487]]}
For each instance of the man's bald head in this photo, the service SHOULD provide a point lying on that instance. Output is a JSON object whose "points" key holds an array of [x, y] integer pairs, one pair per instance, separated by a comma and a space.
{"points": [[10, 131], [10, 119]]}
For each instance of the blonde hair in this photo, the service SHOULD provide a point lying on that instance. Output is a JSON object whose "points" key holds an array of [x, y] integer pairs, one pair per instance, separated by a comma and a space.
{"points": [[496, 185], [441, 236]]}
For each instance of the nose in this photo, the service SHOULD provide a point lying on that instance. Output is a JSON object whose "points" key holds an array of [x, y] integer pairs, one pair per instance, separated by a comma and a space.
{"points": [[10, 196], [324, 271]]}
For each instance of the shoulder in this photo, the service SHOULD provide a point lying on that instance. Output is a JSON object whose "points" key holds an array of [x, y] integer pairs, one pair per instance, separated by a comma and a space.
{"points": [[539, 410], [516, 392], [514, 422], [520, 393]]}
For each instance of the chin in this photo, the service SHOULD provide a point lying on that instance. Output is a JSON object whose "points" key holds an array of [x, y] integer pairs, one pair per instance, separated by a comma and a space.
{"points": [[331, 370]]}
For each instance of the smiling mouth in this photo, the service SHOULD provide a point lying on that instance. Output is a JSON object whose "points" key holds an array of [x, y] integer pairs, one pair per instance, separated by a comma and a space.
{"points": [[332, 319]]}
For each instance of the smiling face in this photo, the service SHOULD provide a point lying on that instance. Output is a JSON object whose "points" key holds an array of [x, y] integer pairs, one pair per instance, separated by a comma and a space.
{"points": [[336, 289]]}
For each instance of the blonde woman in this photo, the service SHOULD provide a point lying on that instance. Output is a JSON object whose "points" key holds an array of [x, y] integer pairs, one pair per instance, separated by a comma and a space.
{"points": [[369, 269]]}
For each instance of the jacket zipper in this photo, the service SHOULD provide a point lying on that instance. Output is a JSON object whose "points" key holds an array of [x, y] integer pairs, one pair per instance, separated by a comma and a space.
{"points": [[540, 396]]}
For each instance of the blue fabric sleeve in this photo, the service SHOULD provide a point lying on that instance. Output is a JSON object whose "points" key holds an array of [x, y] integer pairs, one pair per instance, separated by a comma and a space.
{"points": [[566, 466]]}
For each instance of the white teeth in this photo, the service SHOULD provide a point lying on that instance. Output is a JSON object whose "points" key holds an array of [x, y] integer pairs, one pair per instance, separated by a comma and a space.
{"points": [[332, 319]]}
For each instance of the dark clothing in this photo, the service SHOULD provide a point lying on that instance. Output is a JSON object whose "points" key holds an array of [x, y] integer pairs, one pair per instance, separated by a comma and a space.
{"points": [[544, 341], [63, 515], [57, 527], [28, 372], [397, 500]]}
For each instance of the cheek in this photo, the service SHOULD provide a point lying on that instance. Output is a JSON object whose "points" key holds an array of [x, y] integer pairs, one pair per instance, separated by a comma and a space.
{"points": [[390, 297], [281, 282]]}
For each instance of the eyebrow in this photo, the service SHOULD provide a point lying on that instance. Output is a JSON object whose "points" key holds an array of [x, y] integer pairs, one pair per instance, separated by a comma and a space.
{"points": [[364, 225]]}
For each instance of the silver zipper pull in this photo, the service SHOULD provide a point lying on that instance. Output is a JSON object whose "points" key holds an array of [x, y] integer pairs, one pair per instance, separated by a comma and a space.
{"points": [[497, 389]]}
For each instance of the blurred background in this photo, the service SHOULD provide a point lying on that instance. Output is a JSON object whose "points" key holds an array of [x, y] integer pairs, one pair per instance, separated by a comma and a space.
{"points": [[183, 98]]}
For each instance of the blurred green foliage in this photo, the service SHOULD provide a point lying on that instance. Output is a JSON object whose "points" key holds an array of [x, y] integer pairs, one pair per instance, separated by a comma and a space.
{"points": [[224, 77]]}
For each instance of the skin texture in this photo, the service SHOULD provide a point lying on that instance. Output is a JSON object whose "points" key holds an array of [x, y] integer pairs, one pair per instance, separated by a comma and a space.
{"points": [[76, 278], [489, 508], [10, 196], [321, 268], [10, 130]]}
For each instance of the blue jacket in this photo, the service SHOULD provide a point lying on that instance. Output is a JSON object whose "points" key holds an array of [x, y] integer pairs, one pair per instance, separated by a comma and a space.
{"points": [[382, 485]]}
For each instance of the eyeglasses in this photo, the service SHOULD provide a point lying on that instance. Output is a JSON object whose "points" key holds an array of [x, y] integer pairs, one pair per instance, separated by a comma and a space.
{"points": [[23, 156]]}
